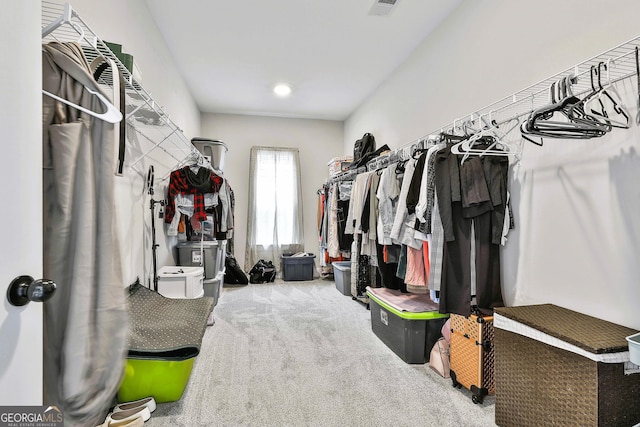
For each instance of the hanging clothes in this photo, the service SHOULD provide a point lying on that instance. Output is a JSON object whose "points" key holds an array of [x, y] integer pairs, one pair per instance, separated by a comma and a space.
{"points": [[85, 324], [387, 195], [333, 241], [186, 181], [474, 192], [403, 231], [342, 211], [424, 208]]}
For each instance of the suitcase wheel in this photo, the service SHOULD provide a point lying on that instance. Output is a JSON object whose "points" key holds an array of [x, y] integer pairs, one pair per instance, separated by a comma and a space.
{"points": [[478, 394], [454, 382]]}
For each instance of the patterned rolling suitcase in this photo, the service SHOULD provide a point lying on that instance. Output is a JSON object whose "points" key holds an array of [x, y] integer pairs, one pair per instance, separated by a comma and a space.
{"points": [[471, 353]]}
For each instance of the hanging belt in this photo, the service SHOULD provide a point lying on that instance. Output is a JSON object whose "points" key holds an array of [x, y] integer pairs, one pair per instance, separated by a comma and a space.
{"points": [[123, 105]]}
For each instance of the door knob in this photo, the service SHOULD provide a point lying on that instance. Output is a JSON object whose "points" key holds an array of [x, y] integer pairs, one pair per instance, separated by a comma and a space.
{"points": [[24, 289]]}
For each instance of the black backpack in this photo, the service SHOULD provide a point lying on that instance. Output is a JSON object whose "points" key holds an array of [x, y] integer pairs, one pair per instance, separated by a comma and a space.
{"points": [[363, 147], [233, 274], [262, 272]]}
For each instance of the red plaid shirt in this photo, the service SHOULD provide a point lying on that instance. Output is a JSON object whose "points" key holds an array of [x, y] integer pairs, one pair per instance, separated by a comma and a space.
{"points": [[180, 183]]}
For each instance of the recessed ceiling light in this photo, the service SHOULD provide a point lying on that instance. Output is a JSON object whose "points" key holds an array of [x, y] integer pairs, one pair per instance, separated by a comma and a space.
{"points": [[282, 89]]}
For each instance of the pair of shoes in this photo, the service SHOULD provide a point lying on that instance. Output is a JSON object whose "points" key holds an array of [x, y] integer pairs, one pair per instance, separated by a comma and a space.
{"points": [[128, 417], [149, 402]]}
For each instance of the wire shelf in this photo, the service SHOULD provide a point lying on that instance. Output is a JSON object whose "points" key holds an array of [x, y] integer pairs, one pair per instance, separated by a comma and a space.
{"points": [[151, 123], [620, 64]]}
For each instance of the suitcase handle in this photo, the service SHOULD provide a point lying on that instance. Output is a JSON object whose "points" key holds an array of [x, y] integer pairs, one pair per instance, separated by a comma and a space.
{"points": [[486, 345]]}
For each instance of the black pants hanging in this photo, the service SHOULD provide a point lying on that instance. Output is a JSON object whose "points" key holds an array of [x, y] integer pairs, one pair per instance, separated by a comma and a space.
{"points": [[455, 289], [344, 240], [388, 272]]}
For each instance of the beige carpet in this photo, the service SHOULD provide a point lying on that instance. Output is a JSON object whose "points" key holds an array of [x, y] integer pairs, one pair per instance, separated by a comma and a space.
{"points": [[303, 354]]}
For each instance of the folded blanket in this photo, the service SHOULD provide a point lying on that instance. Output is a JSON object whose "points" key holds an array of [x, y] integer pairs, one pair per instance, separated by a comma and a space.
{"points": [[166, 328], [413, 303]]}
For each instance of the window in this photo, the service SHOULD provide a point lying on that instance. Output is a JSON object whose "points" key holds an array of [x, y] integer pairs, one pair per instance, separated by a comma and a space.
{"points": [[275, 207]]}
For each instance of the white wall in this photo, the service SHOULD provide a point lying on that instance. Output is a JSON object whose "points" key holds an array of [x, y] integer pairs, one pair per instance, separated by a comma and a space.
{"points": [[576, 208], [317, 140], [130, 24]]}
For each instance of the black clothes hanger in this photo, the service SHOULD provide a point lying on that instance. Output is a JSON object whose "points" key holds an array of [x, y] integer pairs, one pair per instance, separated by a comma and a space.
{"points": [[574, 123], [612, 110]]}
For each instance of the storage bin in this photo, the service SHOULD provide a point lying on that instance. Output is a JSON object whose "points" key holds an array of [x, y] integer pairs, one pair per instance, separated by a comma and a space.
{"points": [[555, 366], [298, 267], [189, 254], [410, 335], [342, 276], [213, 287], [165, 380], [180, 282], [339, 164], [634, 348], [213, 150]]}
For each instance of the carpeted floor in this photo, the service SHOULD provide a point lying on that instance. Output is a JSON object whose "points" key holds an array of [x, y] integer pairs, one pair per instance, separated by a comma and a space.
{"points": [[303, 354]]}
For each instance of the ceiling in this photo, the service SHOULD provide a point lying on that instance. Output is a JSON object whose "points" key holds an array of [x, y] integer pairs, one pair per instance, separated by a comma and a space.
{"points": [[333, 53]]}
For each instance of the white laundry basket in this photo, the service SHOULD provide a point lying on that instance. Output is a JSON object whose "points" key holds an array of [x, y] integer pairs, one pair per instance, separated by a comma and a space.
{"points": [[181, 282]]}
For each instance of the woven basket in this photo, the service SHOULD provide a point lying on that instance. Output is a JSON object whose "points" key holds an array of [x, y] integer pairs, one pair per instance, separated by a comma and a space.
{"points": [[538, 384]]}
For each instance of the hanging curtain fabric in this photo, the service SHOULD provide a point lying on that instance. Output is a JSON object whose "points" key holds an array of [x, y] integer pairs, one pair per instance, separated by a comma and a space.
{"points": [[85, 327], [274, 223]]}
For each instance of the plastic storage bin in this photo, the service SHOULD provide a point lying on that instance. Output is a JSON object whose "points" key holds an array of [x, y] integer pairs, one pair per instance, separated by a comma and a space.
{"points": [[210, 258], [634, 348], [342, 276], [213, 287], [215, 151], [298, 267], [181, 282], [165, 380], [410, 335]]}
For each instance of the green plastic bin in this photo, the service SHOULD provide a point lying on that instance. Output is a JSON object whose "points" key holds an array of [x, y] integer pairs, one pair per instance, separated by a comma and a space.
{"points": [[165, 380]]}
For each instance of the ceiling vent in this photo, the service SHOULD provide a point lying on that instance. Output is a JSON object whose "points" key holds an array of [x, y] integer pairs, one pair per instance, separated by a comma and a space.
{"points": [[383, 7]]}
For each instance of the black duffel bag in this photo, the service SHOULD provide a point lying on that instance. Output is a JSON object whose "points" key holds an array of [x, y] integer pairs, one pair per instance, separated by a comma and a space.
{"points": [[262, 272]]}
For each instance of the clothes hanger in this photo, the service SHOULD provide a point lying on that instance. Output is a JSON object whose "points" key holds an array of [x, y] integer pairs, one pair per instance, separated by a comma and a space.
{"points": [[577, 113], [491, 135], [612, 109], [570, 126], [111, 114]]}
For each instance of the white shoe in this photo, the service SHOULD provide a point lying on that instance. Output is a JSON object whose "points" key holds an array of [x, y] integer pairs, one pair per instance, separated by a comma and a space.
{"points": [[136, 422], [129, 415], [149, 402]]}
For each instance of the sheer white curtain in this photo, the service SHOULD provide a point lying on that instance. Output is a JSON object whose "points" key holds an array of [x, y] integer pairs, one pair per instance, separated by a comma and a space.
{"points": [[274, 224]]}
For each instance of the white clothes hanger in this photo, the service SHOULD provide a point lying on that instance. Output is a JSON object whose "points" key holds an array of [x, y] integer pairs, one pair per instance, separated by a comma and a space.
{"points": [[466, 147], [112, 115]]}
